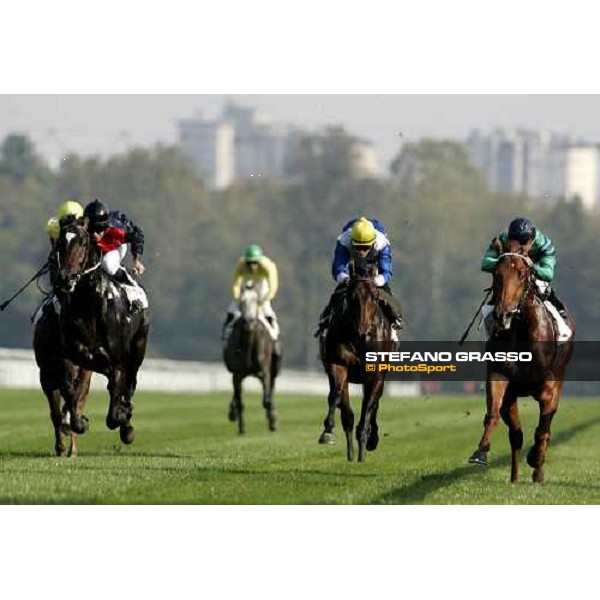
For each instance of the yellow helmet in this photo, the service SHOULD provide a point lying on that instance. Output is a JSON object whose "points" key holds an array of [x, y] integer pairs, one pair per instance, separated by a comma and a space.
{"points": [[363, 232], [69, 208], [53, 228]]}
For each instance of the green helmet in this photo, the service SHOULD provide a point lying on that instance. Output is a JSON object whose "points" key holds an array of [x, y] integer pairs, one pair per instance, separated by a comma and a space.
{"points": [[253, 253]]}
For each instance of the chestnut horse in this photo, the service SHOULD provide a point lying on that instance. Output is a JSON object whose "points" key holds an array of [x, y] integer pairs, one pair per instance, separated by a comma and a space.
{"points": [[361, 322], [521, 320]]}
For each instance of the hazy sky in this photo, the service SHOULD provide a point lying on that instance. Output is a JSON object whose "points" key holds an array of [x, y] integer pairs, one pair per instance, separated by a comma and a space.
{"points": [[105, 124]]}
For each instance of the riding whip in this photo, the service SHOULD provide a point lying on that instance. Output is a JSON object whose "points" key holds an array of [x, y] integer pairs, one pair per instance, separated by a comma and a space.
{"points": [[466, 333], [41, 272]]}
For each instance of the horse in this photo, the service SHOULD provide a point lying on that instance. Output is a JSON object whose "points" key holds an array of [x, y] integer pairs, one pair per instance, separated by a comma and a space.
{"points": [[361, 322], [522, 319], [99, 330], [47, 346], [250, 350]]}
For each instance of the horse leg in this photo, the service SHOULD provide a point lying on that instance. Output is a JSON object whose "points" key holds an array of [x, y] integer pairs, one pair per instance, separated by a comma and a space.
{"points": [[337, 376], [267, 400], [548, 401], [347, 421], [50, 386], [495, 390], [137, 354], [236, 403], [117, 410], [510, 415], [373, 439], [68, 389], [371, 393], [82, 379]]}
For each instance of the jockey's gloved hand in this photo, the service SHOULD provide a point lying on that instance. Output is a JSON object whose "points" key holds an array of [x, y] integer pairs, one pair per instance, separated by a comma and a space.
{"points": [[138, 268], [379, 280]]}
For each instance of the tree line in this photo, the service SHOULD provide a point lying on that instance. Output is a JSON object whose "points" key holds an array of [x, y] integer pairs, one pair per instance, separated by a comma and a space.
{"points": [[438, 211]]}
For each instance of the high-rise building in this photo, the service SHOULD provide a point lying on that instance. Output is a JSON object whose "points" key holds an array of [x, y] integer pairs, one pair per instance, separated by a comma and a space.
{"points": [[243, 143], [540, 165], [210, 146]]}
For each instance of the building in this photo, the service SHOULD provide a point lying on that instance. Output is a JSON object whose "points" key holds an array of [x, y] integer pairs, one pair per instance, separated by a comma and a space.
{"points": [[540, 165], [210, 146], [243, 143]]}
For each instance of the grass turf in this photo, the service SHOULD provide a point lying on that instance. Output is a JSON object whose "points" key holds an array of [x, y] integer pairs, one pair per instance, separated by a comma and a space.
{"points": [[186, 451]]}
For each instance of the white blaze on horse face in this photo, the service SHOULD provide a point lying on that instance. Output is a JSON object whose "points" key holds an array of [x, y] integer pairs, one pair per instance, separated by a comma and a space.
{"points": [[70, 237], [249, 304]]}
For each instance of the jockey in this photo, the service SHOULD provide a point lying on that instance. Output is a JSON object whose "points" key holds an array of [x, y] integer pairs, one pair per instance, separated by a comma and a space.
{"points": [[360, 236], [70, 209], [66, 211], [112, 231], [254, 266], [543, 255]]}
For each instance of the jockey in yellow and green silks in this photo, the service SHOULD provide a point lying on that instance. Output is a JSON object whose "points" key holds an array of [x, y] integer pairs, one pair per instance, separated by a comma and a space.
{"points": [[259, 269]]}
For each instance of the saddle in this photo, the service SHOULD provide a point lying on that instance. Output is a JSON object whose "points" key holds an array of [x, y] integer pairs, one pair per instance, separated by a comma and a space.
{"points": [[135, 293]]}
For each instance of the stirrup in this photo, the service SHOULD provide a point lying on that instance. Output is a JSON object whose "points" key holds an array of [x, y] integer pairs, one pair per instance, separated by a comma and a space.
{"points": [[398, 324]]}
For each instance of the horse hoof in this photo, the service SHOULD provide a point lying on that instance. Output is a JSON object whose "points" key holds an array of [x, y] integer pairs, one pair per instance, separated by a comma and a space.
{"points": [[372, 442], [126, 433], [533, 459], [272, 422], [111, 423], [479, 458], [79, 426], [233, 414], [327, 438], [538, 476], [86, 423]]}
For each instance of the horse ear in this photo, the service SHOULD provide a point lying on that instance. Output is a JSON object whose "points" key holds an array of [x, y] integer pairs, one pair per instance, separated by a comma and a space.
{"points": [[497, 245], [85, 221]]}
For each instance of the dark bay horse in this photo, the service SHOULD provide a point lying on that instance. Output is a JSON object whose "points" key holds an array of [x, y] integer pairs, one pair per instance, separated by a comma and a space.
{"points": [[361, 322], [99, 330], [250, 350], [49, 356], [522, 321]]}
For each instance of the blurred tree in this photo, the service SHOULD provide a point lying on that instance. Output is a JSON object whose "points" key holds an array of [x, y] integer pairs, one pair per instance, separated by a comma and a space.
{"points": [[18, 159]]}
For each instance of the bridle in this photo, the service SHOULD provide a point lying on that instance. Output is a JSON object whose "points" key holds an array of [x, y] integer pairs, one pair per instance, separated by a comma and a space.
{"points": [[75, 279], [521, 303]]}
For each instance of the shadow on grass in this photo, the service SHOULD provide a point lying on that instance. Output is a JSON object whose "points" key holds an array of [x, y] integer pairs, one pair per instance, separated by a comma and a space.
{"points": [[416, 492]]}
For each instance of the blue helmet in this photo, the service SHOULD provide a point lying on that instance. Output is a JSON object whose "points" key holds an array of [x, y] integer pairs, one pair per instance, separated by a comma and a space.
{"points": [[521, 230]]}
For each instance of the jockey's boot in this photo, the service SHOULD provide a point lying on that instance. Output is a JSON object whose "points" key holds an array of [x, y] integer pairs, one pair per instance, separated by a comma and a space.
{"points": [[224, 331], [122, 276], [556, 301], [398, 323]]}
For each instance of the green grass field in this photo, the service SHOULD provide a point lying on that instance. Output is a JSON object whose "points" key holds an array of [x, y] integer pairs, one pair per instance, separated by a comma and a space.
{"points": [[186, 451]]}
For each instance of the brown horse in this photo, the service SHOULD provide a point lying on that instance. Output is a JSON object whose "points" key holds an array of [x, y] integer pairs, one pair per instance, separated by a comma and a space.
{"points": [[49, 357], [100, 331], [361, 322], [250, 350], [522, 320]]}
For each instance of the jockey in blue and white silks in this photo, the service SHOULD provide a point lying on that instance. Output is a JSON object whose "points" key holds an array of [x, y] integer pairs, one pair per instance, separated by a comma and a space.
{"points": [[360, 235], [354, 234]]}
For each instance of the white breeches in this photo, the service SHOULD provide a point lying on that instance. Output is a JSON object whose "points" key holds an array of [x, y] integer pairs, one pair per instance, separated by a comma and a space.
{"points": [[111, 261]]}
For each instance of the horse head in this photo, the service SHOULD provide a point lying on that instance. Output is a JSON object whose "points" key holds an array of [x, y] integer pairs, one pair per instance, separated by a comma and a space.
{"points": [[513, 280], [362, 293], [249, 301], [73, 252]]}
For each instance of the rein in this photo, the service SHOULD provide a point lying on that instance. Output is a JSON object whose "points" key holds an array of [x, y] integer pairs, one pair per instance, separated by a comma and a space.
{"points": [[527, 289]]}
